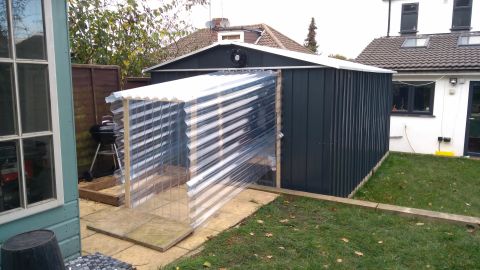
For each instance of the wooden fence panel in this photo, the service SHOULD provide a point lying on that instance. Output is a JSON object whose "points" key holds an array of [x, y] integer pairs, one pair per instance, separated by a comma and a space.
{"points": [[134, 82], [91, 84]]}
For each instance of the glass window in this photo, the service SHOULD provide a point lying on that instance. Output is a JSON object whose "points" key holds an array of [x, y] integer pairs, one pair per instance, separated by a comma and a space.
{"points": [[34, 97], [415, 42], [9, 176], [4, 33], [38, 164], [7, 115], [413, 97], [27, 172], [400, 98], [421, 99], [468, 40], [231, 37], [409, 19], [28, 29], [462, 14]]}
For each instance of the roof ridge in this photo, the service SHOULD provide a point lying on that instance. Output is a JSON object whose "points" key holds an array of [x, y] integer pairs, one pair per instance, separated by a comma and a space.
{"points": [[274, 37]]}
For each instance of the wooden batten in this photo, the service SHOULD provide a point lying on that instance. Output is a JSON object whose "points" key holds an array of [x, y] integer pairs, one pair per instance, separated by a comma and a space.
{"points": [[278, 134], [126, 146]]}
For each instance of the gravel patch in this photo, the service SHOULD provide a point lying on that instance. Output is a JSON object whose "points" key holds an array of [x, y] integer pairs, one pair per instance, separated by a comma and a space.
{"points": [[97, 261]]}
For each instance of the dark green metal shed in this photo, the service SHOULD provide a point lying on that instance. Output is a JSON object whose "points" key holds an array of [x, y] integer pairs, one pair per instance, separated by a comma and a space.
{"points": [[335, 114]]}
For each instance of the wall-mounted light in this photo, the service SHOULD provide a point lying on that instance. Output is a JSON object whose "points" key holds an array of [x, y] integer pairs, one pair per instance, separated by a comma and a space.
{"points": [[453, 81]]}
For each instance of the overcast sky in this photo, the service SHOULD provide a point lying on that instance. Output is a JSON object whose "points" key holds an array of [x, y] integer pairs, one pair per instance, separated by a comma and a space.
{"points": [[344, 26]]}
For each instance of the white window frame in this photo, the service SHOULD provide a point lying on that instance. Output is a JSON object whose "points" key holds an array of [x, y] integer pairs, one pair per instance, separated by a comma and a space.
{"points": [[231, 33], [58, 199]]}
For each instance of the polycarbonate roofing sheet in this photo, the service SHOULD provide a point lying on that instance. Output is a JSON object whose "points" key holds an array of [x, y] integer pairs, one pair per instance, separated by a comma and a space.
{"points": [[188, 89]]}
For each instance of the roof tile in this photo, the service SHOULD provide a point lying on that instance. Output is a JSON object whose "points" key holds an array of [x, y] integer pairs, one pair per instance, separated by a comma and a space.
{"points": [[205, 37], [441, 53]]}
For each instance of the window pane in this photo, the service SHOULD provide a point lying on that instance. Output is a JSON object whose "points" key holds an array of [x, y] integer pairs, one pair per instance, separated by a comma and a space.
{"points": [[39, 171], [34, 97], [415, 42], [421, 99], [231, 37], [462, 3], [461, 18], [9, 176], [28, 29], [7, 116], [400, 98], [4, 37], [469, 40]]}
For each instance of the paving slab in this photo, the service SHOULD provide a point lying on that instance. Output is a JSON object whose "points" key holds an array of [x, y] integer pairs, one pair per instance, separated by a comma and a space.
{"points": [[159, 233], [197, 238], [222, 221], [88, 207], [84, 232], [117, 222], [256, 196], [177, 210], [152, 204], [174, 204], [148, 259], [104, 244]]}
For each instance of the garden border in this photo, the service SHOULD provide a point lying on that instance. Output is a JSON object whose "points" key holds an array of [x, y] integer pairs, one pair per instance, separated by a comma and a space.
{"points": [[401, 210]]}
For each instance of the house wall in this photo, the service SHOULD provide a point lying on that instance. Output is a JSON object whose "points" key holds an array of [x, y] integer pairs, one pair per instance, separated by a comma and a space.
{"points": [[439, 22], [64, 220], [448, 120]]}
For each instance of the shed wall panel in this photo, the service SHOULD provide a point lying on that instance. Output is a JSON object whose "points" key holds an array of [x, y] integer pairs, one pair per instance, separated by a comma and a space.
{"points": [[299, 127], [335, 125]]}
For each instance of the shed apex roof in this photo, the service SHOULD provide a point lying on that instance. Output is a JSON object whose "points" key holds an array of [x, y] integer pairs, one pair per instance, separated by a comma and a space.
{"points": [[311, 58]]}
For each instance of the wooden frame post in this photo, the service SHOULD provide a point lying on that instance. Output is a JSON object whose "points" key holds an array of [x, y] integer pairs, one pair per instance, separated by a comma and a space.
{"points": [[278, 134], [126, 148]]}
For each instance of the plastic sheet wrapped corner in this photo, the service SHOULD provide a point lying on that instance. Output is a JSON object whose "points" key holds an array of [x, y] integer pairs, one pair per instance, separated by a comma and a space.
{"points": [[196, 142]]}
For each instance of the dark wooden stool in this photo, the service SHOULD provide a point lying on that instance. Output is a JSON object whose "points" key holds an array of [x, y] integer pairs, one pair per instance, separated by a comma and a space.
{"points": [[32, 250]]}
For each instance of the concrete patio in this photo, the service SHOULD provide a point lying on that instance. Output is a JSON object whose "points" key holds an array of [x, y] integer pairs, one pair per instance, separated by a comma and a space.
{"points": [[239, 208]]}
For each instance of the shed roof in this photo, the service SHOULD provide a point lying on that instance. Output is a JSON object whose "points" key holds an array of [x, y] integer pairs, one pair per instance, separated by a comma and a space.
{"points": [[441, 53], [192, 88], [315, 60]]}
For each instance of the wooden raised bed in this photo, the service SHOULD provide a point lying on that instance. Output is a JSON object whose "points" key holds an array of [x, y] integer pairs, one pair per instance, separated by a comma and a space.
{"points": [[104, 190], [107, 190]]}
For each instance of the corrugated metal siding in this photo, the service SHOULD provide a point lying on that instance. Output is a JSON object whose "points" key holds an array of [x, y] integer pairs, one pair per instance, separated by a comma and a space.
{"points": [[159, 77], [336, 128]]}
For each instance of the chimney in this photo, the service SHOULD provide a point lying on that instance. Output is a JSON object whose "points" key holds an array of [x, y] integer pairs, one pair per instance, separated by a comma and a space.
{"points": [[218, 23]]}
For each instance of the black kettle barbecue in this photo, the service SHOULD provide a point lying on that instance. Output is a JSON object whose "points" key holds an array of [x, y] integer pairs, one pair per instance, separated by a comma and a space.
{"points": [[104, 135]]}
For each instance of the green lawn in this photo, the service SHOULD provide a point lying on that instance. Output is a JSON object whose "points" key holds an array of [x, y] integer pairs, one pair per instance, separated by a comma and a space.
{"points": [[301, 233], [429, 182]]}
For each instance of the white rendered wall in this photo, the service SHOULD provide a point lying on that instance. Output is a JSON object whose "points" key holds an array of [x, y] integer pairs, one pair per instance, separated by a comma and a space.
{"points": [[449, 118], [434, 16]]}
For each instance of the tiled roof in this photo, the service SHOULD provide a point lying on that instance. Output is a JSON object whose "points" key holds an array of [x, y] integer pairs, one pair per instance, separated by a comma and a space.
{"points": [[441, 53], [205, 37]]}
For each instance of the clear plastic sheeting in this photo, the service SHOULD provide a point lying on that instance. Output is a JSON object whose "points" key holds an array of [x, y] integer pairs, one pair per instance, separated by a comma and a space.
{"points": [[195, 143]]}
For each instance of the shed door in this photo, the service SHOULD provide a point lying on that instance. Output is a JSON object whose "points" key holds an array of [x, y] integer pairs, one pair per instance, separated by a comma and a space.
{"points": [[472, 138]]}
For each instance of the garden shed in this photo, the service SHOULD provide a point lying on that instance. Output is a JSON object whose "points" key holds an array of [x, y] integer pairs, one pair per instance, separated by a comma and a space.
{"points": [[333, 115]]}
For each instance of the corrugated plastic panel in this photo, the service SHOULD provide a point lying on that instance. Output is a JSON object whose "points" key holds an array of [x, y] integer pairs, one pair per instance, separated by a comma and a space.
{"points": [[197, 142]]}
